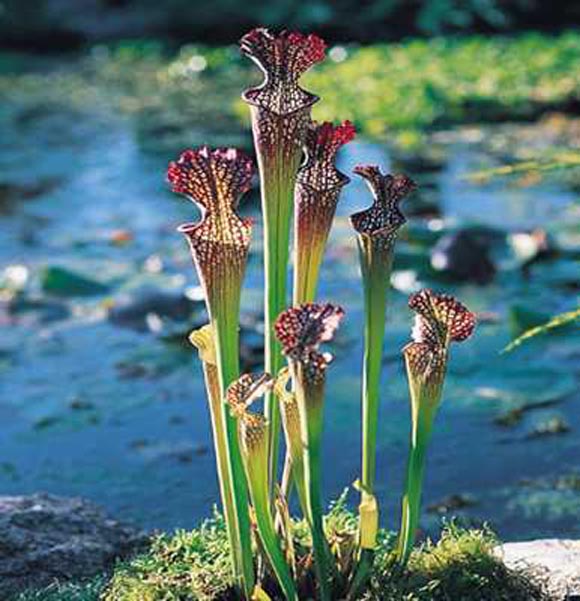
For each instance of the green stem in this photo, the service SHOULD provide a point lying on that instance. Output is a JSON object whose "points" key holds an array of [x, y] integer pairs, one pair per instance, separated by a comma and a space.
{"points": [[376, 270], [276, 557], [376, 266], [322, 554], [277, 177], [307, 263], [362, 573], [259, 490], [311, 409], [411, 504], [220, 448], [227, 358]]}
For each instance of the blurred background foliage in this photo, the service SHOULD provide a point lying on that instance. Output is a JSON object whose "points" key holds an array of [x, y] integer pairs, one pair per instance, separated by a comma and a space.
{"points": [[69, 23], [400, 88]]}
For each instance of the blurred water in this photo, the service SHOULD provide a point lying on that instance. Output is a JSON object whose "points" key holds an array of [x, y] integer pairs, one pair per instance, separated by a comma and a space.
{"points": [[90, 408]]}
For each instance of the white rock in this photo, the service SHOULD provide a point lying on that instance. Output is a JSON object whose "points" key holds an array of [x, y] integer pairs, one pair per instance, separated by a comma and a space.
{"points": [[558, 560]]}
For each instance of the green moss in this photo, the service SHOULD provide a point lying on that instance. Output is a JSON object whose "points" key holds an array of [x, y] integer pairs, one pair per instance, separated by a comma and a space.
{"points": [[185, 565], [461, 566], [86, 591], [188, 566]]}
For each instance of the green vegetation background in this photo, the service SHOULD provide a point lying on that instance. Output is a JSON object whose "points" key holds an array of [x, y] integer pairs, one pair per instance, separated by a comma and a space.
{"points": [[401, 88]]}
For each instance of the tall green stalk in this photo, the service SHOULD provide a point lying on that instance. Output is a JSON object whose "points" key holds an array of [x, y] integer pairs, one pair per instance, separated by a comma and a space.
{"points": [[203, 340], [376, 229], [227, 353], [254, 440], [301, 330], [425, 388], [280, 111], [376, 270], [219, 244], [277, 189], [440, 320], [411, 504], [310, 396]]}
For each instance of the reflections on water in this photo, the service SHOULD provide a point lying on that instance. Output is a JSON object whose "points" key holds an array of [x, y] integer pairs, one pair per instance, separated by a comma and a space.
{"points": [[117, 412]]}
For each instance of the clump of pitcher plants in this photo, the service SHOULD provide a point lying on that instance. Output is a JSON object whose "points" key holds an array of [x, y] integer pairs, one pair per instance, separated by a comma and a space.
{"points": [[252, 414]]}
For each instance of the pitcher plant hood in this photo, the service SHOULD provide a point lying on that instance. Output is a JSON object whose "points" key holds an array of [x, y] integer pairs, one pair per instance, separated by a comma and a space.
{"points": [[282, 58], [383, 218], [215, 181]]}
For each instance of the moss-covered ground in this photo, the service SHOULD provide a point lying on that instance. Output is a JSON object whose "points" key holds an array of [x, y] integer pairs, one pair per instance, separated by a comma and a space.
{"points": [[194, 565]]}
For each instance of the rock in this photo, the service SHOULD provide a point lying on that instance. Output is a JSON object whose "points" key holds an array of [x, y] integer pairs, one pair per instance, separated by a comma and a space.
{"points": [[555, 561], [12, 194], [464, 256], [14, 278], [36, 310], [568, 482], [136, 310], [454, 502], [48, 421], [509, 418], [64, 282], [532, 247], [553, 425], [77, 403], [44, 538]]}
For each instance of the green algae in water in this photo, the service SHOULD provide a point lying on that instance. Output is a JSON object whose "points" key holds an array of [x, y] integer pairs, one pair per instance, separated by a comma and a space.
{"points": [[63, 282]]}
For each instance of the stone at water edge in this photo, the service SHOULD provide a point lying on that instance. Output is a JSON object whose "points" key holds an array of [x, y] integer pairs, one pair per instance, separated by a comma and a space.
{"points": [[465, 255], [557, 561], [59, 281], [44, 538], [134, 310]]}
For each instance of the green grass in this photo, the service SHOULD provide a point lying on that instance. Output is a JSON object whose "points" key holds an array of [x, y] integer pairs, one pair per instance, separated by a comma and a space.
{"points": [[556, 322], [411, 86], [188, 566]]}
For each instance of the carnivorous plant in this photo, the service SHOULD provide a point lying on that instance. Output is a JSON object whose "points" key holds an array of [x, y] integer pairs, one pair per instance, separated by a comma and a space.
{"points": [[300, 187]]}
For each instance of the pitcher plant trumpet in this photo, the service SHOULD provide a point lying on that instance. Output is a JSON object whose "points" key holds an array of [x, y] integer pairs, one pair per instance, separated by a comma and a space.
{"points": [[376, 228], [318, 187], [440, 319], [215, 180], [300, 331], [280, 111]]}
